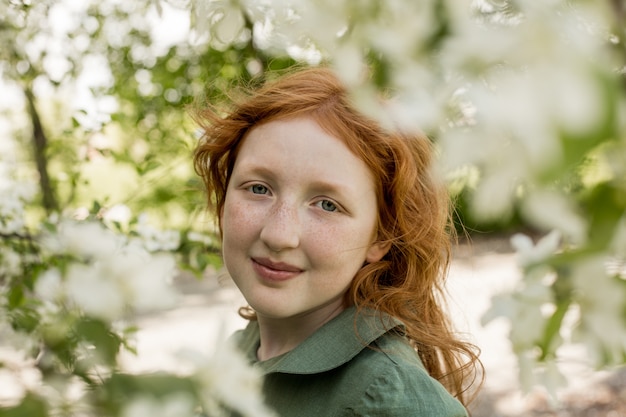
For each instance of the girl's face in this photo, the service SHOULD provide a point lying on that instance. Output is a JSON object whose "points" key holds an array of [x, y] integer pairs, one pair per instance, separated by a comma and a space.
{"points": [[299, 220]]}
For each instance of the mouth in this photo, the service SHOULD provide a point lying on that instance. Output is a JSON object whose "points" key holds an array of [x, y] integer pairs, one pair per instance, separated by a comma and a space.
{"points": [[274, 271]]}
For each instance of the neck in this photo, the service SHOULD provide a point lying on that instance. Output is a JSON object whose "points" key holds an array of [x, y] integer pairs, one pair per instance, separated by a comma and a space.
{"points": [[279, 336]]}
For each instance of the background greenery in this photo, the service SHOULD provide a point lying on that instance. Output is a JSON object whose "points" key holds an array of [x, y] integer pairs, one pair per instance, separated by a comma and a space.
{"points": [[526, 101]]}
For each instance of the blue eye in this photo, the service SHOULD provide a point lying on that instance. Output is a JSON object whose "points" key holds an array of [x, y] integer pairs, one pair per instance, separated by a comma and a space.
{"points": [[258, 189], [327, 205]]}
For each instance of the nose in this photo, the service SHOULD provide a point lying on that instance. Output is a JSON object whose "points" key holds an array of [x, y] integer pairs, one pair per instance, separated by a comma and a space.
{"points": [[281, 228]]}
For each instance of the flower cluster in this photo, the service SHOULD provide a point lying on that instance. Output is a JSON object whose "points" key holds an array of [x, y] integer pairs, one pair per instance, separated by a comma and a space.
{"points": [[558, 302], [103, 275], [69, 293], [14, 196]]}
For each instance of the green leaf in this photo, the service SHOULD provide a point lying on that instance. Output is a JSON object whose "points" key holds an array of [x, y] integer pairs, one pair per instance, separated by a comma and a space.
{"points": [[25, 318], [605, 205], [15, 296], [552, 328], [31, 406], [119, 388], [106, 342]]}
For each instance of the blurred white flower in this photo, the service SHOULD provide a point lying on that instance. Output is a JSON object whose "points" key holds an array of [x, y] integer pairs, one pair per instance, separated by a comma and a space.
{"points": [[576, 98], [460, 150], [226, 379], [111, 278], [178, 404], [96, 294], [527, 364], [16, 345], [67, 396], [84, 238], [524, 311], [417, 106], [552, 378], [11, 214], [222, 20], [602, 332], [547, 374], [10, 262], [12, 189], [349, 63], [527, 308], [475, 47], [230, 25], [154, 239], [149, 284], [413, 25], [493, 197], [80, 213], [201, 238], [301, 21], [601, 299], [551, 209], [49, 285], [529, 254], [18, 373], [119, 213]]}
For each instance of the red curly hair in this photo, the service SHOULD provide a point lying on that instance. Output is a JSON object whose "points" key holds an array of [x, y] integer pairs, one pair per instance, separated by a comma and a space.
{"points": [[414, 209]]}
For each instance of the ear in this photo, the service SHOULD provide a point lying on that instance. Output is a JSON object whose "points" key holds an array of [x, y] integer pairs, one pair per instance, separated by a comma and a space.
{"points": [[376, 252]]}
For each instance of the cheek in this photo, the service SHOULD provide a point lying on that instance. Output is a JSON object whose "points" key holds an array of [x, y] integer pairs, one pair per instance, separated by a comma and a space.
{"points": [[338, 246], [237, 220]]}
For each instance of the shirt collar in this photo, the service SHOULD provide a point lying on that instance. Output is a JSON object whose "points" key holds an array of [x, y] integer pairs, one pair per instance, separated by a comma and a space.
{"points": [[331, 346]]}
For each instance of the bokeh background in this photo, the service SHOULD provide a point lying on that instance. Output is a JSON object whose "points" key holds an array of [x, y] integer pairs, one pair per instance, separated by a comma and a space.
{"points": [[112, 296]]}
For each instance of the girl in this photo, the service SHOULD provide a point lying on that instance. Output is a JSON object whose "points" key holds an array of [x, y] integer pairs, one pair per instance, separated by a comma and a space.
{"points": [[337, 235]]}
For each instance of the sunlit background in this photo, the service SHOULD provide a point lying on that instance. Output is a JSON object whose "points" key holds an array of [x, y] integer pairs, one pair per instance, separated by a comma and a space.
{"points": [[109, 263]]}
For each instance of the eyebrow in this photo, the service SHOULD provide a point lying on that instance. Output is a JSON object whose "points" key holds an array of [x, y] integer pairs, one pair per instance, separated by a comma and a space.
{"points": [[319, 186]]}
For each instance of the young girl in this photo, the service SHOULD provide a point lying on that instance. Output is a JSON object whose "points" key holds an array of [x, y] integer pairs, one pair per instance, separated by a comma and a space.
{"points": [[337, 235]]}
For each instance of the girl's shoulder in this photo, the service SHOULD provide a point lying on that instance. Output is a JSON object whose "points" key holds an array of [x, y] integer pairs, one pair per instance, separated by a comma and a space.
{"points": [[393, 382]]}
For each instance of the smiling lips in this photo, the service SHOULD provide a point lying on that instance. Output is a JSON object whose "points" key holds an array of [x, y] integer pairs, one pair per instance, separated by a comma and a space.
{"points": [[274, 271]]}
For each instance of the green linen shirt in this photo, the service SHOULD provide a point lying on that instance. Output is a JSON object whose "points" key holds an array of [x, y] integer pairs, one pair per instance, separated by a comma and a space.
{"points": [[348, 368]]}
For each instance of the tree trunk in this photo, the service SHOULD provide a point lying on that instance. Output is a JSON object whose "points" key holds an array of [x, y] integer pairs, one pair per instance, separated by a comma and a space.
{"points": [[40, 144]]}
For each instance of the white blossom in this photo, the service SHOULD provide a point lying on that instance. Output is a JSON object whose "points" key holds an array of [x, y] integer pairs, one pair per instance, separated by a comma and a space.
{"points": [[226, 379], [11, 213], [16, 345], [203, 238], [524, 308], [493, 197], [577, 103], [109, 285], [529, 254], [119, 213], [18, 373], [148, 283], [154, 239], [554, 210], [221, 19], [601, 300], [10, 262], [89, 288], [84, 239], [178, 404], [49, 285], [547, 374]]}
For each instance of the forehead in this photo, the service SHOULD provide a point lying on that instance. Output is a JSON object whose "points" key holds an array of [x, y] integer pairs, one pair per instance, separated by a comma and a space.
{"points": [[302, 147]]}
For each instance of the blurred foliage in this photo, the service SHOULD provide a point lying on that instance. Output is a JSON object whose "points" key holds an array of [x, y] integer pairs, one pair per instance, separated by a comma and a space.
{"points": [[527, 108], [99, 120], [145, 136]]}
